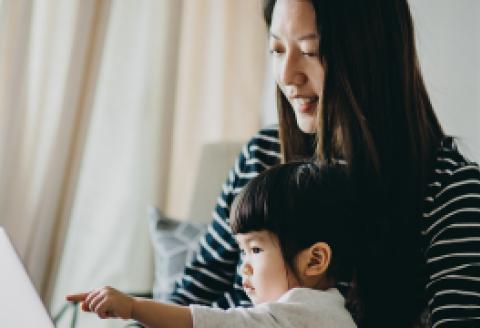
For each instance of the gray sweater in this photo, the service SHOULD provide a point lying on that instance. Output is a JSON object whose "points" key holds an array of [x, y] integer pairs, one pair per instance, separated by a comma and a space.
{"points": [[299, 307]]}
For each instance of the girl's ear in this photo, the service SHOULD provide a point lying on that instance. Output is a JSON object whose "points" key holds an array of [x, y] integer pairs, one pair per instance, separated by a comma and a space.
{"points": [[318, 259]]}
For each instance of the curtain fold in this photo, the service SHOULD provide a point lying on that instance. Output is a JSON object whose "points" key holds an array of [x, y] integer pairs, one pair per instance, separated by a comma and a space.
{"points": [[43, 66], [126, 155], [220, 85], [104, 108]]}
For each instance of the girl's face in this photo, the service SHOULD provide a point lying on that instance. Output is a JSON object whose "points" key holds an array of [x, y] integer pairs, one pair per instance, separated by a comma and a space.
{"points": [[294, 43], [265, 276]]}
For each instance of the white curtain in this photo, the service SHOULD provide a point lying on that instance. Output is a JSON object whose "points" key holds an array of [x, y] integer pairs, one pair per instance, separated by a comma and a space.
{"points": [[43, 63], [171, 78], [125, 156], [104, 107], [220, 85]]}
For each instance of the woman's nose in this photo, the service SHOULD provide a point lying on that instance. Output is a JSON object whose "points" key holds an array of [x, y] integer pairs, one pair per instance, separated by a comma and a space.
{"points": [[291, 72]]}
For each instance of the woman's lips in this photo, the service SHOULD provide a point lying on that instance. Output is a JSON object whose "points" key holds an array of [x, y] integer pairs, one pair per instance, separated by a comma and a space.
{"points": [[305, 104]]}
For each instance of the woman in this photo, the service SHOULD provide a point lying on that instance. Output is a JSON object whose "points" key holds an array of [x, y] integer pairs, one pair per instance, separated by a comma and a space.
{"points": [[350, 88]]}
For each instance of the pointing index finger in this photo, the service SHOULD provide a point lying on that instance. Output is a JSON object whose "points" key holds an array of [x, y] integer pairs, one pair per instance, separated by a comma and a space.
{"points": [[76, 297]]}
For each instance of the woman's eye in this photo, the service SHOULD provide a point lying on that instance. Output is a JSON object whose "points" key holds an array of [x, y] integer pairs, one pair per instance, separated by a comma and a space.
{"points": [[242, 252], [256, 250], [310, 54]]}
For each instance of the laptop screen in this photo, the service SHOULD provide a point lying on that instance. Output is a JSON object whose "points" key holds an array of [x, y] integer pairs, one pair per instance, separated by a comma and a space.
{"points": [[20, 305]]}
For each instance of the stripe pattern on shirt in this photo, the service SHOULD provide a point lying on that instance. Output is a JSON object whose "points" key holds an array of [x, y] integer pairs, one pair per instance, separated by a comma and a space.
{"points": [[451, 227], [451, 230]]}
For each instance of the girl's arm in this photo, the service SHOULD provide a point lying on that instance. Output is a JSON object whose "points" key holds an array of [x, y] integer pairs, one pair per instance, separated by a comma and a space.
{"points": [[108, 302], [161, 315]]}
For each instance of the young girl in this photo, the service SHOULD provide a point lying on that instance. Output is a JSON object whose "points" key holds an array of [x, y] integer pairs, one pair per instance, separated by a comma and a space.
{"points": [[290, 223]]}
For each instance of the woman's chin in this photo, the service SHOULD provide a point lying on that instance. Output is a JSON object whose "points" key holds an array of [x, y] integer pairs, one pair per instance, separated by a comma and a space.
{"points": [[307, 127], [307, 123]]}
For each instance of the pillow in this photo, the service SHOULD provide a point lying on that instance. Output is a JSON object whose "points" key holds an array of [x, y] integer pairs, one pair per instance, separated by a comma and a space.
{"points": [[174, 243]]}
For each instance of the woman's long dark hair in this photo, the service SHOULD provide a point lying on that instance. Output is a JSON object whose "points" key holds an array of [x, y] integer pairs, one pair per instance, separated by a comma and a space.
{"points": [[378, 117]]}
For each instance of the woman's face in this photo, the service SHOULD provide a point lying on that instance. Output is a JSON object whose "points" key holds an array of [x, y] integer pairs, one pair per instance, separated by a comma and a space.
{"points": [[294, 43]]}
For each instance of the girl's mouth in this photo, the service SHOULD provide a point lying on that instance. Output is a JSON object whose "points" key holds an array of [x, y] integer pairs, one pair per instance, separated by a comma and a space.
{"points": [[248, 288]]}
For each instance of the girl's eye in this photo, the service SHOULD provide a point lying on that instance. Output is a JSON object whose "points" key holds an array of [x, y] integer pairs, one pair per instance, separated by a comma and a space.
{"points": [[275, 51], [242, 252], [256, 250]]}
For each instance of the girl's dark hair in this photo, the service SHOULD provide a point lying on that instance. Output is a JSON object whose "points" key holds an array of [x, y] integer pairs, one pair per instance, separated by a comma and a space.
{"points": [[301, 203], [378, 117]]}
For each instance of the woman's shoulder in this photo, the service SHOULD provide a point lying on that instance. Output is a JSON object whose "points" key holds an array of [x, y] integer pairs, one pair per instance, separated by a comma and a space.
{"points": [[449, 156], [266, 137], [264, 146]]}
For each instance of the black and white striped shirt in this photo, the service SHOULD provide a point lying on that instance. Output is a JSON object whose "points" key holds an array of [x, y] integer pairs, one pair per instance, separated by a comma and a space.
{"points": [[451, 227]]}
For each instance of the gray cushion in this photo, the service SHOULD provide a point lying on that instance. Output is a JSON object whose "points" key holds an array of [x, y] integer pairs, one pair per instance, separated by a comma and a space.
{"points": [[174, 243]]}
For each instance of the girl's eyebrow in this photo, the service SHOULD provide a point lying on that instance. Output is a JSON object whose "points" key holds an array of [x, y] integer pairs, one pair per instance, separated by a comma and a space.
{"points": [[274, 36], [308, 36], [254, 237], [250, 239]]}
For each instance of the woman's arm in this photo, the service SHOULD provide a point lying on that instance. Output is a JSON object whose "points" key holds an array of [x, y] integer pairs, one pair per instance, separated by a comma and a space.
{"points": [[210, 277], [211, 271], [453, 251]]}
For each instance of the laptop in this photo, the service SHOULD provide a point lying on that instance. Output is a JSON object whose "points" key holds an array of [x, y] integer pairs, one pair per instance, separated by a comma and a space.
{"points": [[20, 305]]}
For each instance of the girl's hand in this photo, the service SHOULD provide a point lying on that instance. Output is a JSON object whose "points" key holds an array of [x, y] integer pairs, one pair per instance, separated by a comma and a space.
{"points": [[106, 302]]}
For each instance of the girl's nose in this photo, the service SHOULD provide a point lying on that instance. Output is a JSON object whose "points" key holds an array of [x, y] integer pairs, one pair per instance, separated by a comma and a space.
{"points": [[247, 269]]}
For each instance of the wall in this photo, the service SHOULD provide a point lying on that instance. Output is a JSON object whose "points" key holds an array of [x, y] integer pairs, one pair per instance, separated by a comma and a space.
{"points": [[448, 41]]}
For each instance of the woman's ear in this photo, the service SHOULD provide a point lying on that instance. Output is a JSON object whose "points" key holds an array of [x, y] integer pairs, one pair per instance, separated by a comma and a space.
{"points": [[318, 259]]}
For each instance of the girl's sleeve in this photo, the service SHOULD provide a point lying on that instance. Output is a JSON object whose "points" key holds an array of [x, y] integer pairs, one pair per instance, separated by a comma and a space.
{"points": [[210, 276], [206, 317], [453, 250]]}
